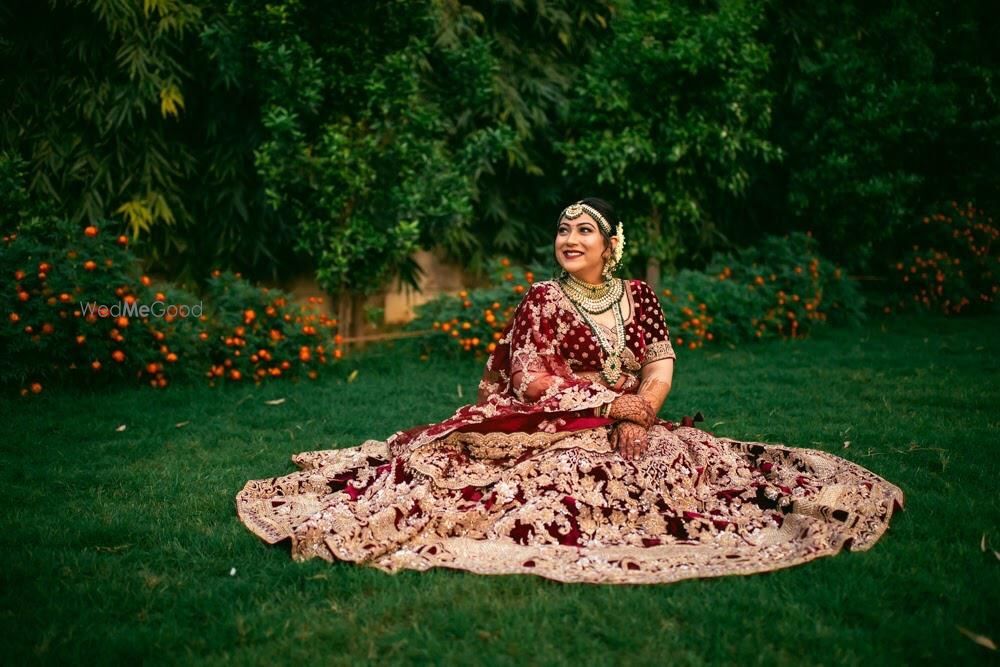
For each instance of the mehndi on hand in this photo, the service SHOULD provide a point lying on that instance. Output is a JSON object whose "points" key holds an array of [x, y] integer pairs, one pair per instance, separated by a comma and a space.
{"points": [[632, 408], [631, 440]]}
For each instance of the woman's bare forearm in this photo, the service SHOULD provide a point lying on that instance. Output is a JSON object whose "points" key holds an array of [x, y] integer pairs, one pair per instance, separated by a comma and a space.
{"points": [[657, 378]]}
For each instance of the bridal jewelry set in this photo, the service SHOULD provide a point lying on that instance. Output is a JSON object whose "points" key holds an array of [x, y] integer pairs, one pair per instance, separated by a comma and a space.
{"points": [[591, 299], [596, 299]]}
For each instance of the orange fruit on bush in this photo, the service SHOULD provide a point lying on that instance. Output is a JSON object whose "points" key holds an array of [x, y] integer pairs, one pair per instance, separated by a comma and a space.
{"points": [[36, 387], [234, 374], [96, 365], [90, 231], [118, 356], [122, 240]]}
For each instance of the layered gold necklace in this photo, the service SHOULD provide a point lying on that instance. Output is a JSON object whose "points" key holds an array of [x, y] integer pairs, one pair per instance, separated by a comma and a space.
{"points": [[590, 299]]}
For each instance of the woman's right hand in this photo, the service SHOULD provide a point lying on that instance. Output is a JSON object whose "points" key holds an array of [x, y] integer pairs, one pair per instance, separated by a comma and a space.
{"points": [[631, 440], [632, 408]]}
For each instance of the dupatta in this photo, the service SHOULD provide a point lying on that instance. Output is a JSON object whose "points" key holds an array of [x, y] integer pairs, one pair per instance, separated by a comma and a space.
{"points": [[528, 384]]}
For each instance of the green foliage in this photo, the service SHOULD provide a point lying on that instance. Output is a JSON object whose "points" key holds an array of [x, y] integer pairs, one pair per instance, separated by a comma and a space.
{"points": [[884, 109], [953, 265], [280, 137], [672, 117], [780, 288], [76, 309]]}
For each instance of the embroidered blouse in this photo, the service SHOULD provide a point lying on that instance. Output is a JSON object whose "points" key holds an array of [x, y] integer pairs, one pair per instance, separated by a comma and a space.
{"points": [[544, 373]]}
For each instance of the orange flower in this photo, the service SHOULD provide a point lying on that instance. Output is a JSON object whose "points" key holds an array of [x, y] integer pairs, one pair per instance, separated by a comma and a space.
{"points": [[14, 317], [118, 356], [249, 316], [519, 288], [19, 275], [23, 296], [96, 365], [152, 367], [90, 231], [47, 328], [122, 240], [338, 353], [234, 374], [44, 267], [36, 387], [305, 354], [171, 357], [145, 281], [505, 262], [81, 339], [122, 322]]}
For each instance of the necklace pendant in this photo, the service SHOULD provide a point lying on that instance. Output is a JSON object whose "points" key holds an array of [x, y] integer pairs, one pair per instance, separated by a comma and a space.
{"points": [[612, 368]]}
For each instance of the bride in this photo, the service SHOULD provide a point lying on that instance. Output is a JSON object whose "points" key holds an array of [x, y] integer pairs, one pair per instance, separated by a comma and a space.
{"points": [[562, 467]]}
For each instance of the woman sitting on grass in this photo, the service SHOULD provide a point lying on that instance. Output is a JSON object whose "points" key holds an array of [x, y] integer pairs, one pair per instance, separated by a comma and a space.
{"points": [[562, 467]]}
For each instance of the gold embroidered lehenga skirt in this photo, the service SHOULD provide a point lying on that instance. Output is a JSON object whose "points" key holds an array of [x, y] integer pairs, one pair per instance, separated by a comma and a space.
{"points": [[563, 505]]}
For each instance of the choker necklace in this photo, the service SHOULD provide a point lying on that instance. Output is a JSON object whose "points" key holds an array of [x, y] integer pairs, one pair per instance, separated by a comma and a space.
{"points": [[594, 299]]}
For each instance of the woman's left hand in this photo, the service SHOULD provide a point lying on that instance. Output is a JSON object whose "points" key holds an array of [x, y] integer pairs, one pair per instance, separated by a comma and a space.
{"points": [[630, 439]]}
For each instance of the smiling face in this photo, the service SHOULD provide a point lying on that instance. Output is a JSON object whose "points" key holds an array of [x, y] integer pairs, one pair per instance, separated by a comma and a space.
{"points": [[581, 249]]}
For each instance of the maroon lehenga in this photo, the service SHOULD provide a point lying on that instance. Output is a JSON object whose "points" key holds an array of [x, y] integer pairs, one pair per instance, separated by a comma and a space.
{"points": [[527, 482]]}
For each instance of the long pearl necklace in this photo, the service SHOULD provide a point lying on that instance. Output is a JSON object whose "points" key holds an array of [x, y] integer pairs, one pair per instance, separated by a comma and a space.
{"points": [[593, 300]]}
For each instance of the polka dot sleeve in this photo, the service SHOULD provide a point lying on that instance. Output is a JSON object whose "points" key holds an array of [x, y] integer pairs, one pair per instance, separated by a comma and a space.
{"points": [[655, 333]]}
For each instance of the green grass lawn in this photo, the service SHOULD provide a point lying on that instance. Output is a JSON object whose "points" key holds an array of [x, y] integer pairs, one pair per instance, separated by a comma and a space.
{"points": [[118, 545]]}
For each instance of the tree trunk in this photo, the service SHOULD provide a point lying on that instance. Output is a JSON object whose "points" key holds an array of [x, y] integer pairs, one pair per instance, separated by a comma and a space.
{"points": [[351, 318]]}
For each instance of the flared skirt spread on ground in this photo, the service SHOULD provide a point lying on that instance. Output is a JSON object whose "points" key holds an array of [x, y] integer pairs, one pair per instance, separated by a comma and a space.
{"points": [[566, 506]]}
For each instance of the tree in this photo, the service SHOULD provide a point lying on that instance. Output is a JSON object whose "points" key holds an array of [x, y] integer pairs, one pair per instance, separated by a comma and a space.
{"points": [[672, 116]]}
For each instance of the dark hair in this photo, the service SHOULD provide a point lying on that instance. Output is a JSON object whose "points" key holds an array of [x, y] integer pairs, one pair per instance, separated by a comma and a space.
{"points": [[605, 209]]}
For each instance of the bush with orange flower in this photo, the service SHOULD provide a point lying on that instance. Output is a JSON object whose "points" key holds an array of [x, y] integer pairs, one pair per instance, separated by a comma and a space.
{"points": [[470, 321], [780, 288], [76, 308], [955, 265]]}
